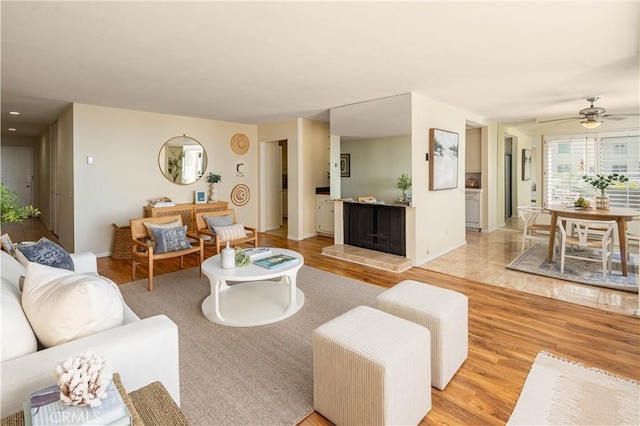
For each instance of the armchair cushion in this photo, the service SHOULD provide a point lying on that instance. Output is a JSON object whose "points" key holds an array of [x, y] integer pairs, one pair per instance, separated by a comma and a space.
{"points": [[45, 252], [62, 305], [213, 221], [230, 232], [171, 239], [153, 226]]}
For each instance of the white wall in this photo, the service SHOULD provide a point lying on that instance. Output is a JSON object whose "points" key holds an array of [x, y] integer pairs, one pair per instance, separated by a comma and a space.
{"points": [[440, 215], [125, 174], [376, 165]]}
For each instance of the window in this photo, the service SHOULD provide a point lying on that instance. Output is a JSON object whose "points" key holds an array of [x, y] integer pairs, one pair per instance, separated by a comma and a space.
{"points": [[568, 158]]}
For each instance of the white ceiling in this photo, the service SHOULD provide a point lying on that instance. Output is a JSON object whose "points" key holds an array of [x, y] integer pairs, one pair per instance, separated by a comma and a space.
{"points": [[261, 62]]}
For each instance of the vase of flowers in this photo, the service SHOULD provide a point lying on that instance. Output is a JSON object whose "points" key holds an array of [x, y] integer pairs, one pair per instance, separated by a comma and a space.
{"points": [[213, 180], [602, 182], [403, 183]]}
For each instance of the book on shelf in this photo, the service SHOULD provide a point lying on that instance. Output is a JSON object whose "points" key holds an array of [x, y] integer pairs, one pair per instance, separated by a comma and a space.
{"points": [[162, 204], [275, 261], [44, 408], [258, 253]]}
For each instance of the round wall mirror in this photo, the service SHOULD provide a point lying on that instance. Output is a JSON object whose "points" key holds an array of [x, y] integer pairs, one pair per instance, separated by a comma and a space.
{"points": [[182, 160]]}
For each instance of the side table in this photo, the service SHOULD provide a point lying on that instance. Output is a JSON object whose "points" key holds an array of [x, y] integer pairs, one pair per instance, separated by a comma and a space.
{"points": [[152, 405]]}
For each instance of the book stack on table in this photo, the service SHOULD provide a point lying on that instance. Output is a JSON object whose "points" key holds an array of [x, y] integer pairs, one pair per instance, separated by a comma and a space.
{"points": [[44, 408], [258, 253], [275, 261]]}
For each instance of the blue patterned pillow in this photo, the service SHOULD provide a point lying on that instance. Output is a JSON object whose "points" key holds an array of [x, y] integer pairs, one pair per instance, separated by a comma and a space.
{"points": [[171, 239], [212, 221], [46, 252]]}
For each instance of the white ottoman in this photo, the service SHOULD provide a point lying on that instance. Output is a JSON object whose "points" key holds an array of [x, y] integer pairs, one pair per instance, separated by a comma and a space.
{"points": [[444, 312], [371, 368]]}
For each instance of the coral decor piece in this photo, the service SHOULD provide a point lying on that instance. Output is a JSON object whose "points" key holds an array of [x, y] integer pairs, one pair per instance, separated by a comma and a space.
{"points": [[83, 380]]}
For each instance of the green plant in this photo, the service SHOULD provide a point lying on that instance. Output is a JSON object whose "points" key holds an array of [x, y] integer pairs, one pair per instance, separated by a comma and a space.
{"points": [[602, 182], [241, 257], [403, 182], [175, 165], [214, 178], [10, 209]]}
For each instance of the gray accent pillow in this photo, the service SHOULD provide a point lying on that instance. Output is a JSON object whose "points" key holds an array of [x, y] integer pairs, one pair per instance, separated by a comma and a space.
{"points": [[46, 252], [171, 239], [212, 221]]}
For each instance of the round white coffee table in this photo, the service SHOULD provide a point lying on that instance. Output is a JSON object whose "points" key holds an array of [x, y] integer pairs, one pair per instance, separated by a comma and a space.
{"points": [[258, 295]]}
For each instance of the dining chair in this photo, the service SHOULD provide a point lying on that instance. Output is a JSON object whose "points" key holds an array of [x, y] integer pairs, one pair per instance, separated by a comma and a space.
{"points": [[581, 235], [532, 230]]}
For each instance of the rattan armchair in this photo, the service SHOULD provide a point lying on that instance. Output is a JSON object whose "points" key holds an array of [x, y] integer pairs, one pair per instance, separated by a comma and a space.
{"points": [[214, 241]]}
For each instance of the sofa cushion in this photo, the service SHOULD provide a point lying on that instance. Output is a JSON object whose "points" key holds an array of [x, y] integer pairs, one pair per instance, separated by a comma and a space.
{"points": [[63, 305], [45, 252], [231, 232], [18, 338], [213, 221], [171, 239]]}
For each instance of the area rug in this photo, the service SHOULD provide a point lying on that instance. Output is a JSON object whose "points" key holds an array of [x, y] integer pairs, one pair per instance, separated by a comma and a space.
{"points": [[250, 375], [534, 261], [560, 392]]}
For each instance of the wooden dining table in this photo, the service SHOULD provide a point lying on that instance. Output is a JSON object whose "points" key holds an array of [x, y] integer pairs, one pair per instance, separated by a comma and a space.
{"points": [[619, 214]]}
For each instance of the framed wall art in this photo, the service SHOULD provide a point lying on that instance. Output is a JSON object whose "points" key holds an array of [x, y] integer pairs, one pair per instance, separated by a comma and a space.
{"points": [[200, 197], [526, 164], [345, 165], [443, 153]]}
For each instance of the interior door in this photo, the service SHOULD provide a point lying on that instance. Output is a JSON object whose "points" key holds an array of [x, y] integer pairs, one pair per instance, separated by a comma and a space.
{"points": [[273, 186], [508, 211], [17, 172]]}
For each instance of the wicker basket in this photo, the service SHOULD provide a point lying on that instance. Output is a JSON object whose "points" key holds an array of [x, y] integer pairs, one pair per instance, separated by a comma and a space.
{"points": [[122, 242]]}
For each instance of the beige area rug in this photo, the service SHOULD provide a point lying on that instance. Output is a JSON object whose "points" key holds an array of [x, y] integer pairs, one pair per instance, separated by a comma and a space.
{"points": [[250, 375], [559, 392]]}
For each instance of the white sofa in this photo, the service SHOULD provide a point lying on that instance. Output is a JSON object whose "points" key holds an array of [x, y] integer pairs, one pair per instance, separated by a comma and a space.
{"points": [[141, 351]]}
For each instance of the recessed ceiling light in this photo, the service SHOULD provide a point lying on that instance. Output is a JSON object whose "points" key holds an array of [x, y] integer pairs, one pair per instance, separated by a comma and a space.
{"points": [[11, 129], [14, 113]]}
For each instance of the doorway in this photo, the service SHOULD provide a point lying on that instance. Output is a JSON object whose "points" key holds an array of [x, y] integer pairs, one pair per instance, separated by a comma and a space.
{"points": [[508, 177], [17, 172], [275, 187]]}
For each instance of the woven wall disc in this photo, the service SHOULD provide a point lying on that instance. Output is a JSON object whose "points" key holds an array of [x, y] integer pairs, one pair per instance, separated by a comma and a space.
{"points": [[240, 143], [240, 195]]}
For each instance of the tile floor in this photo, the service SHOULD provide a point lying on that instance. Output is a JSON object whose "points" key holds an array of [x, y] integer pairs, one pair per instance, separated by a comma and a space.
{"points": [[486, 255]]}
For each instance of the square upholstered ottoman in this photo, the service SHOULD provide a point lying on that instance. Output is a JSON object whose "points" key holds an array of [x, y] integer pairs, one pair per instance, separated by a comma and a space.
{"points": [[444, 312], [371, 368]]}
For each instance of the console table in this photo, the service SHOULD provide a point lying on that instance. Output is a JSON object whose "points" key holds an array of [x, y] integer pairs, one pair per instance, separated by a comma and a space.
{"points": [[186, 210]]}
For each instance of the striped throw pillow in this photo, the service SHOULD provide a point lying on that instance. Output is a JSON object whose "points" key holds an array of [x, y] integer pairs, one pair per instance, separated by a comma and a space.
{"points": [[230, 232]]}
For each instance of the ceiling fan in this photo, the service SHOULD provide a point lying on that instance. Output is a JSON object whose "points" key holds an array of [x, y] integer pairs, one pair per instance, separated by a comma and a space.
{"points": [[591, 117]]}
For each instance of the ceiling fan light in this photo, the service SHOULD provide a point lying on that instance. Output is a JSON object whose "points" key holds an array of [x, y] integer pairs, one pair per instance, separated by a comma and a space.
{"points": [[591, 124]]}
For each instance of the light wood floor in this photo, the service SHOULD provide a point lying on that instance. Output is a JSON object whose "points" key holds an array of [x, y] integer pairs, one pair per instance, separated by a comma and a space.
{"points": [[507, 328]]}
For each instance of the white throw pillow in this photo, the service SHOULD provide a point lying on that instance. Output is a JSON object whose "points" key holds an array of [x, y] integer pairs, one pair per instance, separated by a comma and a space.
{"points": [[230, 232], [63, 305]]}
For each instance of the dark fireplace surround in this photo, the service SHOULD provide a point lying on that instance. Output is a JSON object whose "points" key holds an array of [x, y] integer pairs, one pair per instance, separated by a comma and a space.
{"points": [[377, 227]]}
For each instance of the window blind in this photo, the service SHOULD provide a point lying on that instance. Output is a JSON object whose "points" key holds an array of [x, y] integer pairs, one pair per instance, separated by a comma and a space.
{"points": [[568, 158]]}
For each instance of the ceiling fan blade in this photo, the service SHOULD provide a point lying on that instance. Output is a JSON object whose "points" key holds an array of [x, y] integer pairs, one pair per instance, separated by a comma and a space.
{"points": [[613, 117], [561, 119]]}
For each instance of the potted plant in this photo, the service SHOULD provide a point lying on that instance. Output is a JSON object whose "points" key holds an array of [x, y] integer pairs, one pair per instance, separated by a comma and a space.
{"points": [[404, 183], [213, 180], [602, 182], [10, 210]]}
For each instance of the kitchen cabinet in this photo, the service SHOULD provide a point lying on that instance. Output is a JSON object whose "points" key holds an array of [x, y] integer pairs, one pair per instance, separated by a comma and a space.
{"points": [[473, 208], [324, 214]]}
